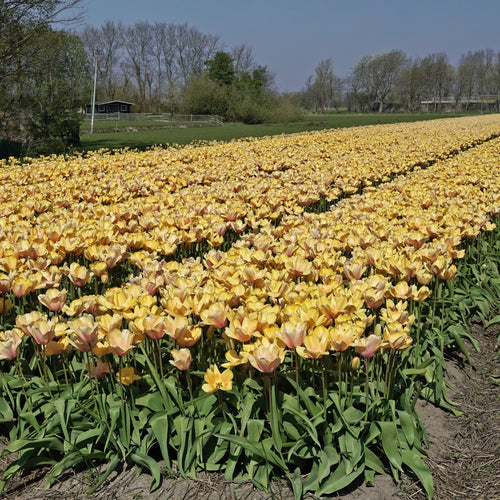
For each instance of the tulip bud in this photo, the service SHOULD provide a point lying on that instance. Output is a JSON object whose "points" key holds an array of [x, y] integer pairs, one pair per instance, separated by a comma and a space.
{"points": [[355, 363]]}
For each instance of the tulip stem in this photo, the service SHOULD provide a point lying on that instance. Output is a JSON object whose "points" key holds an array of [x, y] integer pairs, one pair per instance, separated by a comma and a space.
{"points": [[297, 378], [22, 381], [367, 389], [323, 382]]}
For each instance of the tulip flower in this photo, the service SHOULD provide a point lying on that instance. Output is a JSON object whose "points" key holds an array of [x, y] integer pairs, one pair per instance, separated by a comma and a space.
{"points": [[102, 368], [214, 380], [84, 336], [5, 305], [368, 346], [42, 331], [53, 299], [127, 376], [182, 358], [266, 356], [120, 341], [78, 274], [9, 343], [292, 333]]}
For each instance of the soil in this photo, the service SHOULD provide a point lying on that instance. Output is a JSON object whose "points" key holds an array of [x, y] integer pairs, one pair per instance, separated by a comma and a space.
{"points": [[463, 455]]}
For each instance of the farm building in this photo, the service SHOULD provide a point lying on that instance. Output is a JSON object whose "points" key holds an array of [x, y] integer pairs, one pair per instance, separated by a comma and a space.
{"points": [[110, 107]]}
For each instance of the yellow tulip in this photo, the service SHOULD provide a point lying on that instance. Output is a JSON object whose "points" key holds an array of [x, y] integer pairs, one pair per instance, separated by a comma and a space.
{"points": [[214, 380]]}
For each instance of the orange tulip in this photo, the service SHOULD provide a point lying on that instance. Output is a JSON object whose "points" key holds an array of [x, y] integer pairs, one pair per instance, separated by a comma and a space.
{"points": [[127, 376]]}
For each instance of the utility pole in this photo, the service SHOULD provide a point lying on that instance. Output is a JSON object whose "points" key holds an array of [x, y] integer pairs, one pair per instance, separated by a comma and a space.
{"points": [[96, 53]]}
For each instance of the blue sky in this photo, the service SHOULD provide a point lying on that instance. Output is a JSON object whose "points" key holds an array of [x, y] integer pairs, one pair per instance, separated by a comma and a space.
{"points": [[291, 37]]}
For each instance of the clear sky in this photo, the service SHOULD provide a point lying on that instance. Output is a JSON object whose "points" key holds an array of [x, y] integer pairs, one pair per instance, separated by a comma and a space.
{"points": [[291, 37]]}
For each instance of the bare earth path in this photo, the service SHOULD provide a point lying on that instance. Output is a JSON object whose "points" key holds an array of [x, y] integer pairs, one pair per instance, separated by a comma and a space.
{"points": [[464, 453]]}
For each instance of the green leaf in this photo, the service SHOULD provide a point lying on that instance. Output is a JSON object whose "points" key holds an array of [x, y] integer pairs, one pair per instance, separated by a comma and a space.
{"points": [[153, 401], [87, 435], [373, 462], [301, 416], [353, 415], [68, 461], [160, 426], [257, 448], [338, 480], [275, 421], [5, 411], [297, 484], [390, 444], [417, 465], [408, 426], [150, 464], [493, 321], [50, 443], [102, 477]]}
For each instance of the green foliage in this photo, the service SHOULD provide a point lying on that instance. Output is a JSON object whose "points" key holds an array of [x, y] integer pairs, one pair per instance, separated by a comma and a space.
{"points": [[44, 94], [220, 69]]}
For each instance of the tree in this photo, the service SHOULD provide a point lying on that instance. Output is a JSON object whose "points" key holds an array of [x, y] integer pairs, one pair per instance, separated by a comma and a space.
{"points": [[30, 70], [53, 92], [106, 44], [373, 77], [323, 88], [220, 68]]}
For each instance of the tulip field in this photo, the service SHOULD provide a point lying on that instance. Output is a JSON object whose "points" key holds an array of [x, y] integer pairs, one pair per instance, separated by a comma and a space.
{"points": [[264, 308]]}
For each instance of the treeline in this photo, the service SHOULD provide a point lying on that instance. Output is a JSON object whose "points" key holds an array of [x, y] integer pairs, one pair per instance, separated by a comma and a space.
{"points": [[47, 76], [392, 81], [165, 67]]}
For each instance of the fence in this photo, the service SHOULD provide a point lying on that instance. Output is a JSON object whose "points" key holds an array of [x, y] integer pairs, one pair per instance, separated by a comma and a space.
{"points": [[164, 117]]}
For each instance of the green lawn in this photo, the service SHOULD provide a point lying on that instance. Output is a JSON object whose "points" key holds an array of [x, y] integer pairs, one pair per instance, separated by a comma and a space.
{"points": [[142, 139]]}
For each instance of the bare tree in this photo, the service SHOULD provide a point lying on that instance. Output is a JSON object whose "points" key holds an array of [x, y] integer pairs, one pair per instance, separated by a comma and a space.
{"points": [[106, 43], [323, 88], [243, 59], [193, 49], [138, 43]]}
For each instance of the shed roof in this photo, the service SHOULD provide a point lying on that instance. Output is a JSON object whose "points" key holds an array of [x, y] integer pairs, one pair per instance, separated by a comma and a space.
{"points": [[111, 102]]}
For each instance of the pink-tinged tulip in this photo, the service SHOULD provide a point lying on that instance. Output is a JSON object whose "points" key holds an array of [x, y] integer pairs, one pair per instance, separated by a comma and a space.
{"points": [[84, 336], [368, 346], [292, 333], [182, 358], [53, 299], [120, 341], [22, 286], [24, 320], [176, 327], [373, 298], [9, 346], [154, 326], [78, 274], [43, 331], [127, 376], [242, 330], [266, 357], [99, 370], [215, 315]]}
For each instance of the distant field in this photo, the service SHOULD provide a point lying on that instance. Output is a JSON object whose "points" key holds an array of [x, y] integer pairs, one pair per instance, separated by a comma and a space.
{"points": [[184, 134]]}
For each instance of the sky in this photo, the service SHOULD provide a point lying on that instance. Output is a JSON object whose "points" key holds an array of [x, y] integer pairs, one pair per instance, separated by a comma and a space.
{"points": [[291, 37]]}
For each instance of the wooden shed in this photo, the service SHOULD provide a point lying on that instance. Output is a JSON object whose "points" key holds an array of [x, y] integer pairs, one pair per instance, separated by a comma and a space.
{"points": [[110, 107]]}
